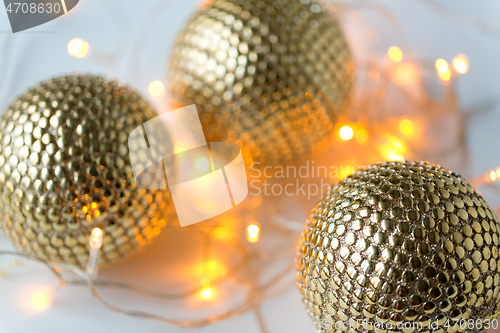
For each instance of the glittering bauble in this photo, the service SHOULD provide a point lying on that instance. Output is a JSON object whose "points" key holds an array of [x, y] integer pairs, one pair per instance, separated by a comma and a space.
{"points": [[65, 169], [397, 244], [270, 75]]}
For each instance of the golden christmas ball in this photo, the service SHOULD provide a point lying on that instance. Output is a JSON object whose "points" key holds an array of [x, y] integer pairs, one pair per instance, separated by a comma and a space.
{"points": [[269, 75], [407, 246], [65, 169]]}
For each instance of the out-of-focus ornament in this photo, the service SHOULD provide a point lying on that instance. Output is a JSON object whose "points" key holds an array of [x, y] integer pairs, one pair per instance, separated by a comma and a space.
{"points": [[65, 169], [271, 76], [398, 243]]}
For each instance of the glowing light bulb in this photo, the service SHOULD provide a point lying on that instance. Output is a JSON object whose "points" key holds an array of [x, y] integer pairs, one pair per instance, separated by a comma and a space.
{"points": [[346, 133], [493, 175], [95, 242], [156, 88], [253, 233], [78, 48], [442, 66], [395, 54], [96, 238], [461, 63], [406, 126], [206, 293], [443, 69], [498, 172]]}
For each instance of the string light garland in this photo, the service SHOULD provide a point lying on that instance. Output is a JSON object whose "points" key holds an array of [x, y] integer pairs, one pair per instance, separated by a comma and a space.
{"points": [[12, 265], [486, 178], [95, 243], [398, 72], [255, 292], [489, 179]]}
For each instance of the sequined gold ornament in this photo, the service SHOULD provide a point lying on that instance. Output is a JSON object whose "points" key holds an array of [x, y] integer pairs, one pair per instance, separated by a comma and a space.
{"points": [[398, 243], [65, 169], [270, 75]]}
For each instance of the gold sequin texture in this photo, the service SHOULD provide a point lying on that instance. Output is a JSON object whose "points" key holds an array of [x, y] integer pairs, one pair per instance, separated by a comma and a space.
{"points": [[269, 75], [65, 169], [431, 253]]}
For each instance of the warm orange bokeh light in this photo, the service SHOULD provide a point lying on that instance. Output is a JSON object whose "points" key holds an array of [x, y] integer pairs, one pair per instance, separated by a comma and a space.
{"points": [[206, 293], [393, 149], [442, 66], [222, 233], [156, 88], [346, 171], [253, 233], [406, 73], [41, 299], [493, 175], [445, 76], [397, 145], [37, 300], [394, 155], [443, 69], [78, 47], [461, 63], [361, 135], [346, 133], [406, 126], [395, 54], [212, 266]]}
